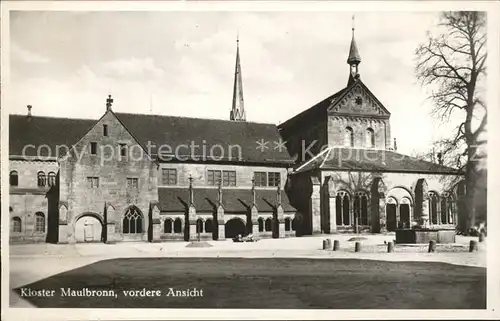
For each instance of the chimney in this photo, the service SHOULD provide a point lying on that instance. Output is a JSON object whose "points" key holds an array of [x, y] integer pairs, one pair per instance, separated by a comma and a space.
{"points": [[440, 158], [395, 145], [109, 103], [29, 112]]}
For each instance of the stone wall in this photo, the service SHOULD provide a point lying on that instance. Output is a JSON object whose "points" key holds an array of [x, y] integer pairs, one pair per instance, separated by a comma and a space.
{"points": [[112, 171], [337, 126]]}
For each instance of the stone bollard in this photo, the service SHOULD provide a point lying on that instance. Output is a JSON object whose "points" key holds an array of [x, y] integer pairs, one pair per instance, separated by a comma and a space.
{"points": [[432, 246], [357, 247], [324, 245], [336, 245], [472, 246], [481, 237], [390, 247]]}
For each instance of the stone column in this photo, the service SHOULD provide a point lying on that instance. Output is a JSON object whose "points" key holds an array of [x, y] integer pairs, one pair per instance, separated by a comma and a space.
{"points": [[333, 218], [315, 206], [425, 212], [192, 224], [220, 224], [156, 223], [254, 216], [383, 214]]}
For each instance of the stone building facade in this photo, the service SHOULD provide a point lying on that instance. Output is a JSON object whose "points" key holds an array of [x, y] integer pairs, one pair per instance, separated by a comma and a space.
{"points": [[131, 177]]}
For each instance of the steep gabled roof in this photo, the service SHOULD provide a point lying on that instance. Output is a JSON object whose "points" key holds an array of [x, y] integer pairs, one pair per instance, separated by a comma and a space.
{"points": [[45, 131], [372, 160], [230, 135], [233, 200]]}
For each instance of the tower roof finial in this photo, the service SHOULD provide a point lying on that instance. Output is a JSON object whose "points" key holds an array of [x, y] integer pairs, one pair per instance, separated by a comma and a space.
{"points": [[354, 57], [238, 110]]}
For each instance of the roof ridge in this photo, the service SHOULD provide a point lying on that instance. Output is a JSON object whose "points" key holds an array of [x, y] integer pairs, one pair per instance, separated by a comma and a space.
{"points": [[188, 117], [53, 117]]}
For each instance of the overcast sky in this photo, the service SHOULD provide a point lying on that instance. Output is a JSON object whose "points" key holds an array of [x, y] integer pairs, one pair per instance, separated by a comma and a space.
{"points": [[182, 64]]}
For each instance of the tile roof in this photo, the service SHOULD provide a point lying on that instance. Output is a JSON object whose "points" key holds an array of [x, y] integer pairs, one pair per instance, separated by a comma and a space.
{"points": [[159, 130], [175, 199], [373, 160], [178, 131], [49, 131]]}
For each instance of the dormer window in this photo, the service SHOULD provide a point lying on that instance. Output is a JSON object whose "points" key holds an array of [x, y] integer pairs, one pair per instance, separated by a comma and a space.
{"points": [[349, 137]]}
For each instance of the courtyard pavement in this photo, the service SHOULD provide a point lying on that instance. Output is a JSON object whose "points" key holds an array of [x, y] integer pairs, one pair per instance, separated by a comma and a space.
{"points": [[33, 262]]}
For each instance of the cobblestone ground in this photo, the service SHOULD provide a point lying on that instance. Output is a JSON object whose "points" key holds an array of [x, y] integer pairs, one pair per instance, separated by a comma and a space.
{"points": [[33, 262]]}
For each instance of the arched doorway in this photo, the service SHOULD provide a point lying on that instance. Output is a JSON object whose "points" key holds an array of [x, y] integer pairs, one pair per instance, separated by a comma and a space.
{"points": [[235, 227], [88, 229], [404, 213], [391, 214], [132, 224]]}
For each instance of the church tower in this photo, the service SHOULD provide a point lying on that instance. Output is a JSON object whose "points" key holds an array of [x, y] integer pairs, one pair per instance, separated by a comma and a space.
{"points": [[238, 108], [354, 59]]}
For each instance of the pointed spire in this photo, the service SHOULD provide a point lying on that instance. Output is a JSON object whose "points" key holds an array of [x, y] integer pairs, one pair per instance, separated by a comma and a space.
{"points": [[238, 108], [354, 57]]}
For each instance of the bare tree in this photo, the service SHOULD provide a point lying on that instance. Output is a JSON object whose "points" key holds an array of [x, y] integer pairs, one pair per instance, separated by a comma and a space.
{"points": [[453, 65]]}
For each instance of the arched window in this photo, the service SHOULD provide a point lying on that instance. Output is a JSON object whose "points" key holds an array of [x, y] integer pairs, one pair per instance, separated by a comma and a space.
{"points": [[178, 225], [433, 204], [41, 179], [446, 208], [287, 224], [294, 224], [167, 226], [199, 225], [39, 222], [14, 178], [261, 224], [269, 225], [208, 226], [370, 137], [349, 137], [16, 224], [132, 221], [361, 208], [342, 205], [51, 179]]}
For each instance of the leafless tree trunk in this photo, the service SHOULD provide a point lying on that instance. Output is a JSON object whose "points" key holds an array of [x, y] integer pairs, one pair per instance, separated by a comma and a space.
{"points": [[453, 65]]}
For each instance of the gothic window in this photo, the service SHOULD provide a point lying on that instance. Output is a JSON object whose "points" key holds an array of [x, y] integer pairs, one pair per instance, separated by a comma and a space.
{"points": [[446, 208], [349, 137], [167, 226], [132, 221], [199, 225], [208, 226], [269, 225], [370, 138], [16, 225], [342, 208], [361, 208], [433, 206], [261, 224], [41, 179], [14, 178], [287, 224], [178, 225], [39, 222], [51, 179]]}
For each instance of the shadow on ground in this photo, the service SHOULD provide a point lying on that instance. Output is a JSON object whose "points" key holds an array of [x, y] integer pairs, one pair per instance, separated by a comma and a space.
{"points": [[267, 283]]}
